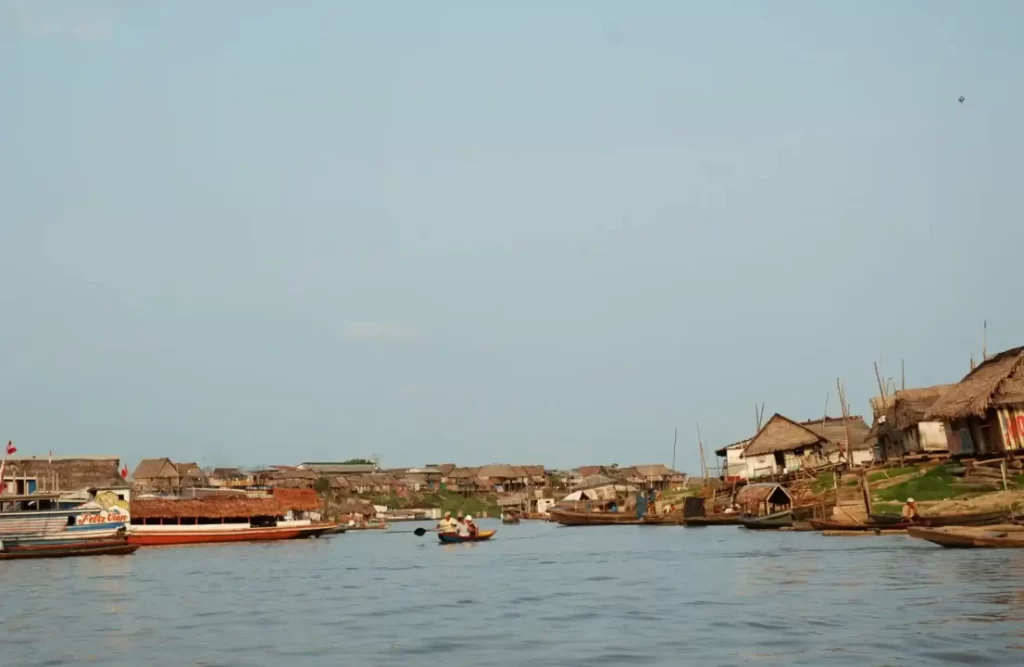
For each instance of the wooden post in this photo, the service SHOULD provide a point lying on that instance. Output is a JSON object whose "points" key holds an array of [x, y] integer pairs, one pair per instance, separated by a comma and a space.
{"points": [[1002, 469], [903, 375], [866, 487], [846, 422]]}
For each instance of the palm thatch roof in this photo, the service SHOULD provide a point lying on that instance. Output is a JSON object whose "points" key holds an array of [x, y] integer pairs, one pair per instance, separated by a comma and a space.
{"points": [[300, 500], [210, 507], [996, 382], [752, 495], [156, 469], [911, 405], [833, 429], [780, 434]]}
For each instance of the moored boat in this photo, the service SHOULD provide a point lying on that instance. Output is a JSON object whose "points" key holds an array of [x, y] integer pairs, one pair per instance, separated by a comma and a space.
{"points": [[87, 547], [722, 519], [453, 538], [37, 514], [940, 520], [867, 526], [769, 522], [176, 521], [972, 537], [576, 518], [671, 519]]}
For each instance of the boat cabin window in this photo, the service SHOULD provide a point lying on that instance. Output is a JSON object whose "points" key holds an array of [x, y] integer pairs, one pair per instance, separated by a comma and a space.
{"points": [[263, 521]]}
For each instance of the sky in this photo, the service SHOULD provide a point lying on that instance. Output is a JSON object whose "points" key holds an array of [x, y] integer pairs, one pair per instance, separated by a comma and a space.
{"points": [[251, 233]]}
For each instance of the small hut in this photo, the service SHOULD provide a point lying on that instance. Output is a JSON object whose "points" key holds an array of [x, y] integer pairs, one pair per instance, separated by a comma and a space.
{"points": [[766, 498]]}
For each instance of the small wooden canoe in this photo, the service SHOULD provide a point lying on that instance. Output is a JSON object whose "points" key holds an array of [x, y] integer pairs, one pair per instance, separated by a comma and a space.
{"points": [[968, 537], [867, 527], [769, 522], [939, 520], [730, 519], [103, 547], [452, 538]]}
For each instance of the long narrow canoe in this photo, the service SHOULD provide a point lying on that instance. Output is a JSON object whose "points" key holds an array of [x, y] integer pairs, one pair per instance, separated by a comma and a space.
{"points": [[938, 520], [102, 547], [673, 519], [452, 538], [574, 518], [770, 522], [967, 537], [730, 519], [867, 526]]}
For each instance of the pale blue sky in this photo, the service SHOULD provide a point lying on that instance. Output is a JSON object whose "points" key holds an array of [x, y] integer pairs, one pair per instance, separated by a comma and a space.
{"points": [[244, 232]]}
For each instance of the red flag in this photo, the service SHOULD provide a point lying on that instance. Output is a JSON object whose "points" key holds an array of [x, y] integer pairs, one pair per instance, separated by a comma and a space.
{"points": [[11, 448], [124, 471]]}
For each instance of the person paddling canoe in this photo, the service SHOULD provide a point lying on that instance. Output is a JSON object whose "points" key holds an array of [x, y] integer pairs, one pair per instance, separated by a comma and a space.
{"points": [[447, 524]]}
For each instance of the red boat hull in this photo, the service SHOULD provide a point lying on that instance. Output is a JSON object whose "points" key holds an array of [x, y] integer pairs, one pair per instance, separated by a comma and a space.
{"points": [[162, 538]]}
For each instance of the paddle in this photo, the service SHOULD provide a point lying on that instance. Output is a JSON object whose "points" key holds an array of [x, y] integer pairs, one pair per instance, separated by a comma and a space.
{"points": [[420, 532]]}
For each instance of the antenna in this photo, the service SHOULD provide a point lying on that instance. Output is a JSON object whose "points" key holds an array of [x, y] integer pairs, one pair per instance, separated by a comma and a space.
{"points": [[984, 340], [903, 375]]}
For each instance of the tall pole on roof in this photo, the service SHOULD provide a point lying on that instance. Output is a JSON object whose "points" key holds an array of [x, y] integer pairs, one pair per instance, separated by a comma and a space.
{"points": [[703, 465], [903, 375], [675, 438], [984, 340]]}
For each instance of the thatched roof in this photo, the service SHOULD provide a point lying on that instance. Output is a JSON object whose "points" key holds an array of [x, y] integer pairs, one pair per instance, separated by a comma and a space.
{"points": [[511, 499], [300, 500], [190, 470], [155, 469], [463, 473], [445, 468], [833, 430], [211, 507], [998, 381], [587, 471], [911, 405], [593, 481], [780, 434], [501, 471], [721, 451], [755, 494], [356, 506], [227, 473]]}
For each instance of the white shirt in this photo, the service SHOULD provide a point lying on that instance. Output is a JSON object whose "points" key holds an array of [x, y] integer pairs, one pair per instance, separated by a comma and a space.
{"points": [[463, 529]]}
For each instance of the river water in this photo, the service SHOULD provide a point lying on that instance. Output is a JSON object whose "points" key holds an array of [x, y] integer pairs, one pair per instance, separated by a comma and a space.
{"points": [[537, 595]]}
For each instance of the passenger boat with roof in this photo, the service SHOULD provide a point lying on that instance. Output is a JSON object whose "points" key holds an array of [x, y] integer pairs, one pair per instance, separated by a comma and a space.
{"points": [[162, 521]]}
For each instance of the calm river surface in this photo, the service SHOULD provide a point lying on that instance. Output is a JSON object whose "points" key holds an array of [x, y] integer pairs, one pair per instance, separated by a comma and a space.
{"points": [[537, 595]]}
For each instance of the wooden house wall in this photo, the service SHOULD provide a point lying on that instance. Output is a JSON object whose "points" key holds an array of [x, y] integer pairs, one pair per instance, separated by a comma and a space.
{"points": [[1011, 427]]}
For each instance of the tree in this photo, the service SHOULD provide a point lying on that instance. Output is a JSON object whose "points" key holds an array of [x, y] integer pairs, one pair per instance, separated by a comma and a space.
{"points": [[322, 485], [364, 462]]}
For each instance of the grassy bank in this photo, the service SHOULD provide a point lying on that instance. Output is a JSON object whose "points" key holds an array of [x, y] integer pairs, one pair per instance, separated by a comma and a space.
{"points": [[445, 500], [936, 484]]}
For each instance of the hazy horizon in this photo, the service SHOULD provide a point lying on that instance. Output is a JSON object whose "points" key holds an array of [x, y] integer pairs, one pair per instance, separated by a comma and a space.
{"points": [[544, 233]]}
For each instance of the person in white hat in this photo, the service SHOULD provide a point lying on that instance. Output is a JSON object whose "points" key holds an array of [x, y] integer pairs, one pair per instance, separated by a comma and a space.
{"points": [[473, 530], [910, 510]]}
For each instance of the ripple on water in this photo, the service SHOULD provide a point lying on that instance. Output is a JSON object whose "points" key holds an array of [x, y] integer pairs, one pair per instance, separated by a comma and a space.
{"points": [[619, 595]]}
